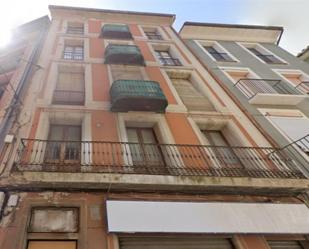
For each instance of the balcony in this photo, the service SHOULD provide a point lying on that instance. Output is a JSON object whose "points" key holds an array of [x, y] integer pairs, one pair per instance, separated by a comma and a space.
{"points": [[62, 97], [123, 54], [137, 95], [116, 31], [265, 91], [303, 87], [154, 159]]}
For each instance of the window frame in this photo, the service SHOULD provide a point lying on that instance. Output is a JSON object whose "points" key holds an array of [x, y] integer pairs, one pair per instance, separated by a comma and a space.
{"points": [[74, 55], [218, 47], [281, 72], [78, 30], [263, 51], [64, 69], [298, 115]]}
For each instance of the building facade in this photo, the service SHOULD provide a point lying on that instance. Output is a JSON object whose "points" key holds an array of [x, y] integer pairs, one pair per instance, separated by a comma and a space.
{"points": [[133, 143], [269, 83]]}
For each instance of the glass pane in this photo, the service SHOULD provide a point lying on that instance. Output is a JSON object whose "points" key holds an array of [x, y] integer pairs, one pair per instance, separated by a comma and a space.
{"points": [[217, 138], [73, 133], [135, 149], [132, 136], [224, 155], [72, 149], [68, 49], [210, 49], [152, 150], [148, 136], [56, 132]]}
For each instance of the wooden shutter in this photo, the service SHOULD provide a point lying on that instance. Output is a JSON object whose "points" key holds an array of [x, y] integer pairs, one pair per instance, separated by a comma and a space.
{"points": [[71, 81], [191, 98], [179, 242], [120, 72]]}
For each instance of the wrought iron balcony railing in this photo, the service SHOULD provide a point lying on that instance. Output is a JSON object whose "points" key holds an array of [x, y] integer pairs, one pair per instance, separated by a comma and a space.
{"points": [[252, 87], [169, 61], [302, 144], [303, 87], [61, 97], [223, 57], [154, 159]]}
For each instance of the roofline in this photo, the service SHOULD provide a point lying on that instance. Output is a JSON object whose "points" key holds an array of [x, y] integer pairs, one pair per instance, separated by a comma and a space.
{"points": [[173, 16], [238, 26]]}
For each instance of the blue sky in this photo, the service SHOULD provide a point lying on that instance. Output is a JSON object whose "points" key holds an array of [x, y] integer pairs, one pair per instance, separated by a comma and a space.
{"points": [[291, 14]]}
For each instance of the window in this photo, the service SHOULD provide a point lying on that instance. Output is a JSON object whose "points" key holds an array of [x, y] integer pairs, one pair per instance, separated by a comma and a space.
{"points": [[218, 55], [75, 28], [263, 54], [191, 96], [220, 148], [294, 125], [144, 147], [116, 31], [166, 59], [73, 53], [297, 79], [63, 144], [121, 72], [70, 87], [251, 85], [53, 222], [152, 34]]}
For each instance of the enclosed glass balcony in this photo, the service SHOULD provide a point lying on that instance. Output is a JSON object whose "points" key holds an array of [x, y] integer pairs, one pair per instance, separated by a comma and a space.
{"points": [[123, 54], [137, 95], [116, 31]]}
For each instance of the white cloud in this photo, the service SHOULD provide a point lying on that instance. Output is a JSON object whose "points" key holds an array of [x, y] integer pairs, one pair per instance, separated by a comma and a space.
{"points": [[291, 14]]}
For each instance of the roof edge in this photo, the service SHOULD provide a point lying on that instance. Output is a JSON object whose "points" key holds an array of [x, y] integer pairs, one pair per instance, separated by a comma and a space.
{"points": [[240, 26], [55, 7]]}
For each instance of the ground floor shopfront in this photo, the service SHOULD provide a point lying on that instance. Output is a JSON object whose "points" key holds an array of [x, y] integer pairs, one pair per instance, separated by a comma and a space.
{"points": [[97, 220]]}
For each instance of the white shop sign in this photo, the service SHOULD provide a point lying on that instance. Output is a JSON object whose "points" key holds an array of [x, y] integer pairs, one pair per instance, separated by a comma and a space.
{"points": [[209, 217]]}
